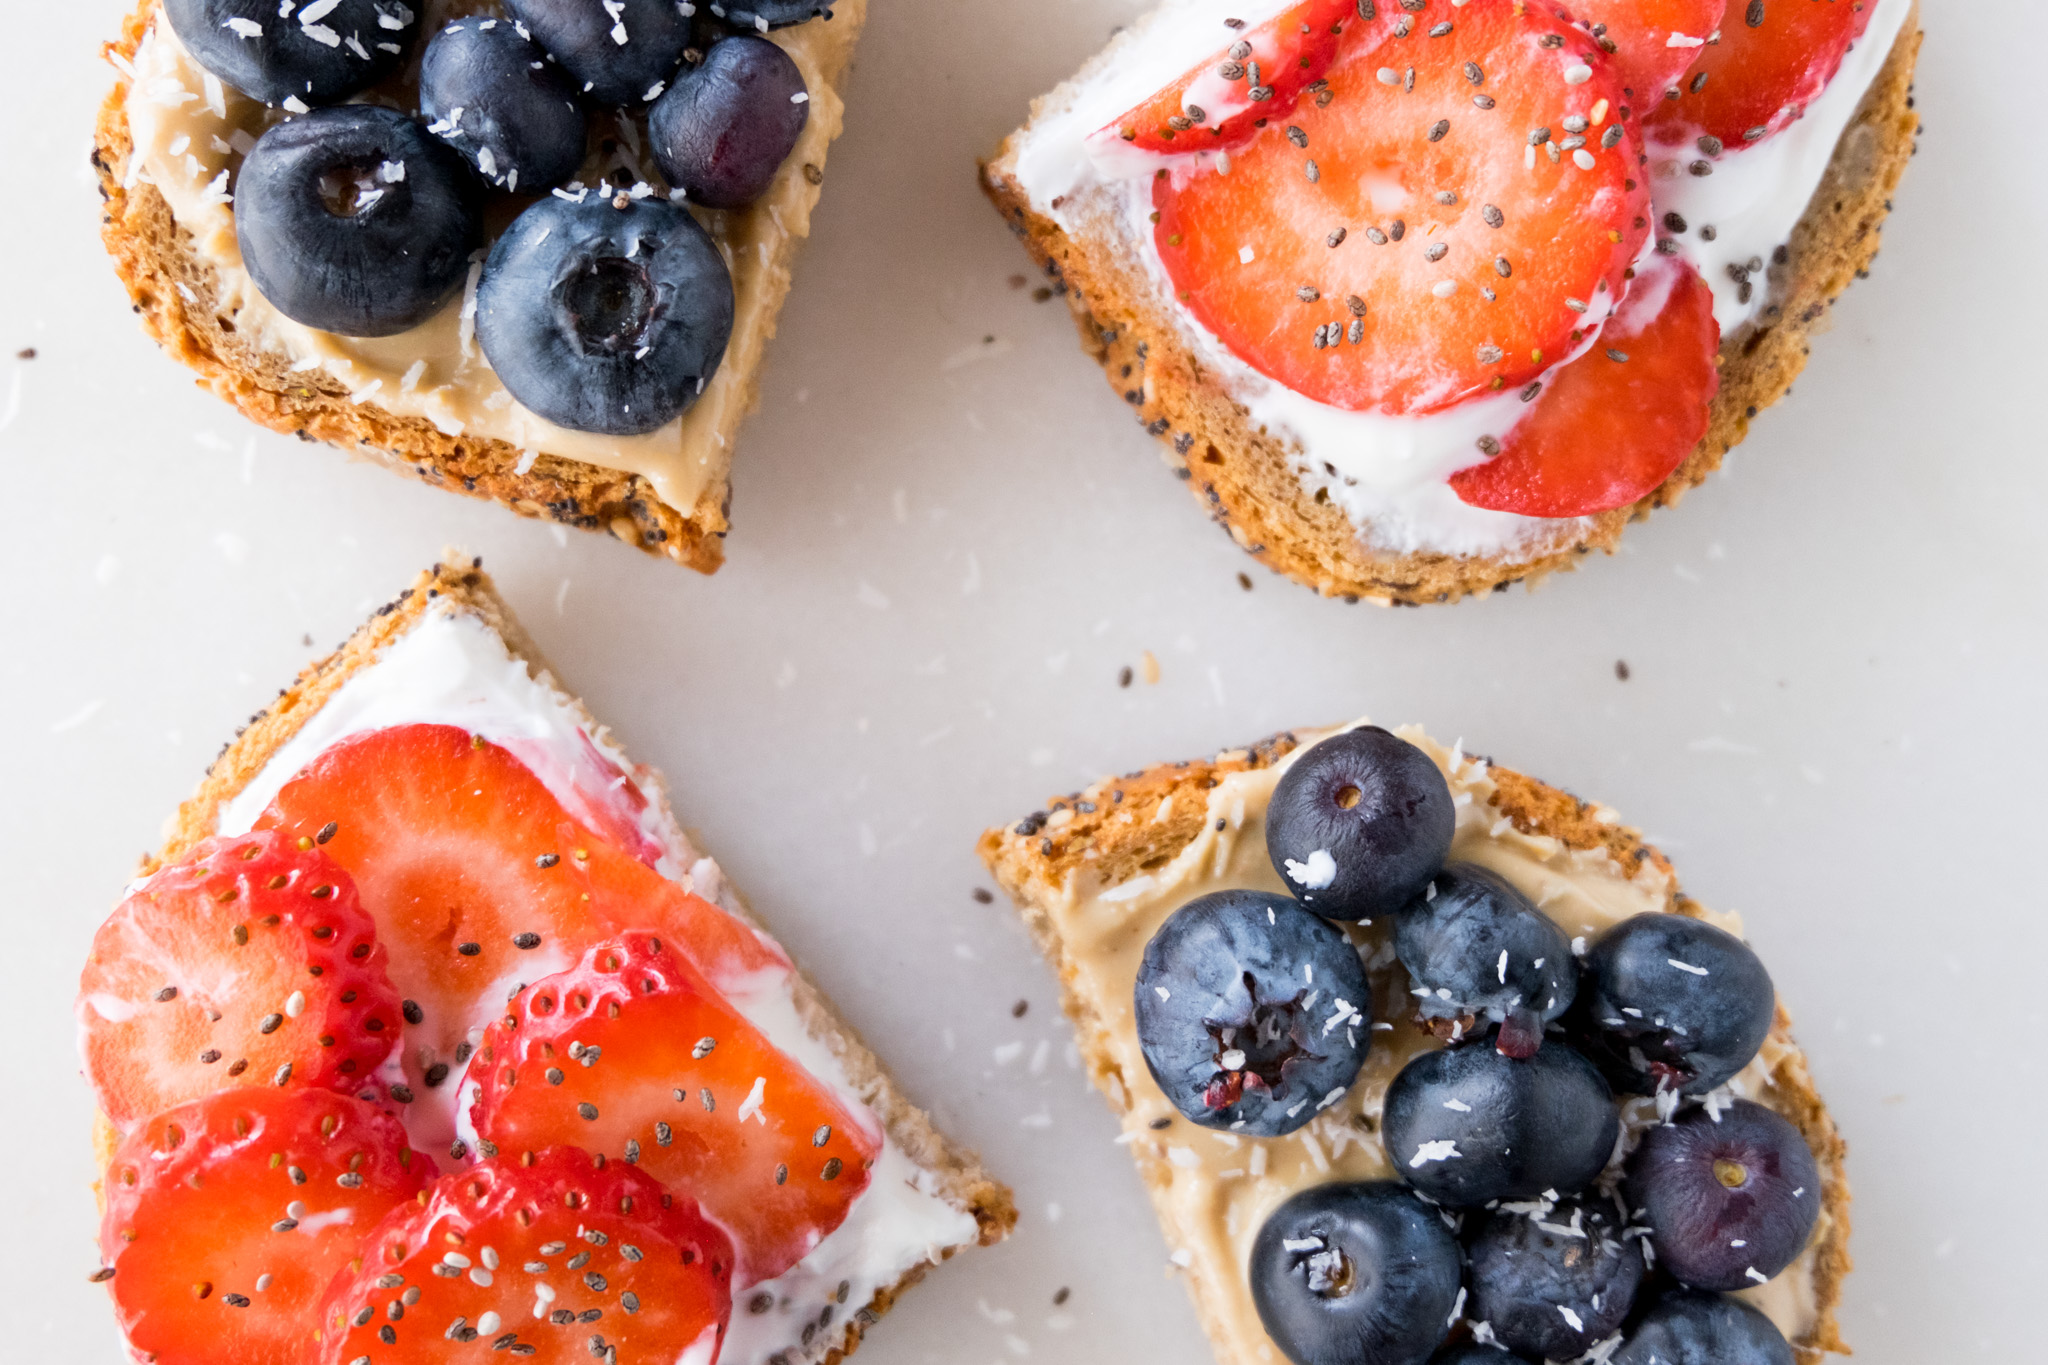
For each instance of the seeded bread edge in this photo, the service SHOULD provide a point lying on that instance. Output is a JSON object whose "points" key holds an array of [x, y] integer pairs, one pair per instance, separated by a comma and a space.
{"points": [[1034, 868], [1245, 478]]}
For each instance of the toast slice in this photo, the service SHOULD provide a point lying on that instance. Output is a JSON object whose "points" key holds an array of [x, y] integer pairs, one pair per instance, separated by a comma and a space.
{"points": [[781, 1331], [190, 310], [1248, 479], [1096, 872]]}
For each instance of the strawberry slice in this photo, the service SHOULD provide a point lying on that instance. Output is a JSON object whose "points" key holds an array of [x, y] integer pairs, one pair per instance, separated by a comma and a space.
{"points": [[633, 1054], [1459, 210], [556, 1258], [1613, 424], [1255, 75], [1652, 41], [227, 1219], [1774, 57], [249, 962]]}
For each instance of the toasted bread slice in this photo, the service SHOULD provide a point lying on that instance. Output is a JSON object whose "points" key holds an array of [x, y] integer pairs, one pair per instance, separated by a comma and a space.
{"points": [[1246, 478], [1120, 832]]}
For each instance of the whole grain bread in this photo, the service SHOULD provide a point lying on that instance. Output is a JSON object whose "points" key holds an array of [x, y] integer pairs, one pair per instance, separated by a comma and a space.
{"points": [[1246, 478], [956, 1173], [174, 291], [1033, 860]]}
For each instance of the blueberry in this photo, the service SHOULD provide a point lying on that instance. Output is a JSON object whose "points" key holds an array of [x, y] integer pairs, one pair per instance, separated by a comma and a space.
{"points": [[1472, 1353], [1554, 1280], [1467, 1125], [1729, 1202], [495, 96], [1475, 946], [1671, 1001], [1359, 824], [1344, 1274], [725, 129], [619, 52], [352, 219], [766, 14], [1703, 1329], [318, 53], [606, 315], [1252, 1013]]}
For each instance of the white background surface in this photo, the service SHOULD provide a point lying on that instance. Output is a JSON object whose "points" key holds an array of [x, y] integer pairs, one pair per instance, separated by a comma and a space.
{"points": [[945, 549]]}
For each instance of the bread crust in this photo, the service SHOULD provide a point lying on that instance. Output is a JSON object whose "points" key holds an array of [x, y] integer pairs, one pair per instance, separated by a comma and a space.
{"points": [[1245, 478], [1033, 862], [174, 291]]}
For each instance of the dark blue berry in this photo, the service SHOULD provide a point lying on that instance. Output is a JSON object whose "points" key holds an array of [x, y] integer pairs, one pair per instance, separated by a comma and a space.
{"points": [[1554, 1282], [1252, 1013], [315, 53], [1359, 824], [766, 14], [1472, 1353], [352, 219], [1669, 1001], [729, 123], [1467, 1125], [1343, 1274], [584, 36], [608, 315], [1729, 1202], [1703, 1329], [1476, 948], [497, 97]]}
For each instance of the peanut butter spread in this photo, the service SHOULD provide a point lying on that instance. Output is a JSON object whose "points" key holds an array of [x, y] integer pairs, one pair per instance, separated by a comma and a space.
{"points": [[190, 132], [1214, 1189]]}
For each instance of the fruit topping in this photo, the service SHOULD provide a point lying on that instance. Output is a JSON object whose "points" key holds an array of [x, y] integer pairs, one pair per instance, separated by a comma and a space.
{"points": [[1348, 1273], [1608, 428], [727, 125], [495, 95], [1553, 1279], [609, 315], [1467, 1125], [1671, 1002], [1476, 948], [633, 1055], [1447, 223], [562, 1258], [1703, 1329], [1730, 1194], [618, 52], [1253, 1014], [296, 55], [1359, 823], [226, 1219], [247, 963], [352, 219], [767, 14], [1652, 42], [1472, 1353], [1773, 57]]}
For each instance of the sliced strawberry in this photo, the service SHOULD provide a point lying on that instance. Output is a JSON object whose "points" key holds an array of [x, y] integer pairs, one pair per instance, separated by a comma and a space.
{"points": [[1613, 424], [1652, 41], [1254, 75], [249, 962], [1442, 227], [1773, 58], [556, 1258], [227, 1219], [633, 1054]]}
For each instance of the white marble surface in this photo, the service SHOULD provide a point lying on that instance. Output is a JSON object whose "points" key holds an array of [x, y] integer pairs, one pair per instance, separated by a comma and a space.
{"points": [[951, 536]]}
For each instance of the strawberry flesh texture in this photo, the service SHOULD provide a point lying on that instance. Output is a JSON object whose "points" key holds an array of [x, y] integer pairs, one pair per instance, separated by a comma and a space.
{"points": [[1567, 235], [1762, 74], [212, 1262], [247, 956], [606, 1057], [1637, 35], [600, 1250], [1604, 433]]}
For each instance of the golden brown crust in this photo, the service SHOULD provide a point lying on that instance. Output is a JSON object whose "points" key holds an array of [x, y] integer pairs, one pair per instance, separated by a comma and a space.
{"points": [[1245, 479], [1032, 860]]}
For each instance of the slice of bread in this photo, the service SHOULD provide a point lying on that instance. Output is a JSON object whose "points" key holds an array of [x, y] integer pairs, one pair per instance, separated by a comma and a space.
{"points": [[175, 291], [1247, 479], [1121, 830], [954, 1174]]}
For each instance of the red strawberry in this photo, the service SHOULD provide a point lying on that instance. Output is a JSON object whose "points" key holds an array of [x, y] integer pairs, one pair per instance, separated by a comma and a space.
{"points": [[249, 962], [1606, 431], [633, 1054], [1774, 57], [555, 1257], [1652, 41], [1439, 229], [227, 1219]]}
